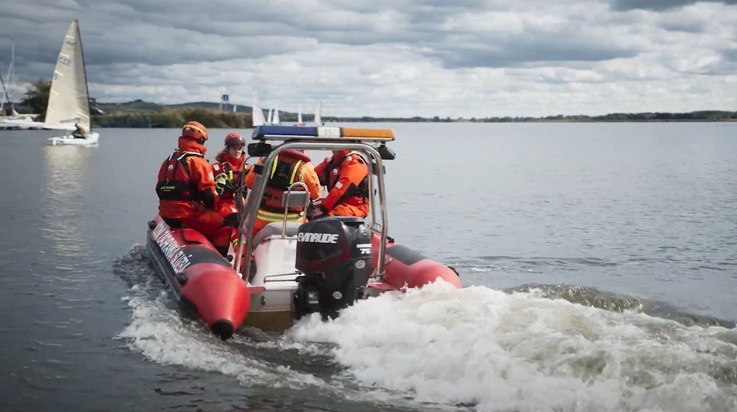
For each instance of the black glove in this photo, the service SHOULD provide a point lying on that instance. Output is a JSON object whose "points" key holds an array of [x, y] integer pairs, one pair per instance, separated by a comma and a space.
{"points": [[316, 212], [231, 220], [221, 182], [231, 187]]}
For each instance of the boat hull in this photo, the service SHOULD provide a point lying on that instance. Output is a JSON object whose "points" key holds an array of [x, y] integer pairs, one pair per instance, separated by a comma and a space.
{"points": [[203, 281], [407, 268], [265, 315], [206, 284], [274, 280], [91, 139]]}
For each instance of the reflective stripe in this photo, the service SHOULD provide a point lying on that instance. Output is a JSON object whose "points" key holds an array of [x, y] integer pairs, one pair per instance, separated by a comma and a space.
{"points": [[294, 171], [195, 128], [273, 167], [278, 217], [185, 154], [357, 154]]}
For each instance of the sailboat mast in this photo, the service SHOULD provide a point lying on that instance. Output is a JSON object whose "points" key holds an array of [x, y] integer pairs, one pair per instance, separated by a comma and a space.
{"points": [[9, 76], [11, 71], [84, 69], [5, 94]]}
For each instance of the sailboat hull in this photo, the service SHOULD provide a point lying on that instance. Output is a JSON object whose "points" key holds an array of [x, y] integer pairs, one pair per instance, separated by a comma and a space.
{"points": [[13, 123], [91, 139]]}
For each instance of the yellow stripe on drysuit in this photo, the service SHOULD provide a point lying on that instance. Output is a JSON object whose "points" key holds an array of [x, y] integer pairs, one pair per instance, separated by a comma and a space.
{"points": [[278, 217]]}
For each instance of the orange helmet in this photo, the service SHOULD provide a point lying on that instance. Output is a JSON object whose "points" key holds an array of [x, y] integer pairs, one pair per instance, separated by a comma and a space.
{"points": [[195, 131], [234, 139]]}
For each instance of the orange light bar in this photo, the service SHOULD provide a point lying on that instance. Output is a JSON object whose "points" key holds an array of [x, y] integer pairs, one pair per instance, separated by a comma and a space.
{"points": [[374, 133]]}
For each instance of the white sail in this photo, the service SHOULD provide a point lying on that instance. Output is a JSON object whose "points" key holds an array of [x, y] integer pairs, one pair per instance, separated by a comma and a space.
{"points": [[257, 115], [318, 113], [276, 120], [299, 115], [68, 97]]}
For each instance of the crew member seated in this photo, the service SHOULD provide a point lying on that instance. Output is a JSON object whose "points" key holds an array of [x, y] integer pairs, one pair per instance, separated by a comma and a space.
{"points": [[79, 132], [345, 176], [291, 166]]}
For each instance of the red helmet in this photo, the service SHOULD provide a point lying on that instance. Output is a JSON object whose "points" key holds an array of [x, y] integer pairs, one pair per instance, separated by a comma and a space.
{"points": [[195, 131], [234, 139]]}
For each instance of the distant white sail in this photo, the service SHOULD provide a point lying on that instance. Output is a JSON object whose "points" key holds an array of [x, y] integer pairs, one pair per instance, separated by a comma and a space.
{"points": [[299, 115], [275, 119], [318, 113], [257, 114]]}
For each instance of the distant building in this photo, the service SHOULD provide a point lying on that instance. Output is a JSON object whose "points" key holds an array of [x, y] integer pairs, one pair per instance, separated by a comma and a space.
{"points": [[93, 106], [224, 99]]}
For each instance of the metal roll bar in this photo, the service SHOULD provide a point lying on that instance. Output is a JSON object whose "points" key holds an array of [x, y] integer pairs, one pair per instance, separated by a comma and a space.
{"points": [[253, 200]]}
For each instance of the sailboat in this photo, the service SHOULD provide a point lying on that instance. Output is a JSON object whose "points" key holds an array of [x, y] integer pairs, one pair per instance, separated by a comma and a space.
{"points": [[299, 116], [318, 113], [69, 107], [14, 120], [257, 114], [275, 118]]}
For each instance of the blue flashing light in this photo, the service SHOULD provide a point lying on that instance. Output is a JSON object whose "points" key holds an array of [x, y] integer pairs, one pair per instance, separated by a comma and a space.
{"points": [[263, 132]]}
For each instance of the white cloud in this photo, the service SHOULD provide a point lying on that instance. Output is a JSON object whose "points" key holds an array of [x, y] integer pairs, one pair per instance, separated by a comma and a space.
{"points": [[469, 58]]}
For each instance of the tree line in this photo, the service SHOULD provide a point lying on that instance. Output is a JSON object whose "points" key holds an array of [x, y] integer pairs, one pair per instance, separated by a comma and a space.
{"points": [[151, 115]]}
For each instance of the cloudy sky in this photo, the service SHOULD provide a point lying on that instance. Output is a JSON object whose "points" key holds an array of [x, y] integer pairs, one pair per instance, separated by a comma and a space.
{"points": [[450, 58]]}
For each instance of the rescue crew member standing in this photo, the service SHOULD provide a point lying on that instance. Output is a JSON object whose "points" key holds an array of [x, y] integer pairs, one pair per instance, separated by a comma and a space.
{"points": [[290, 166], [228, 170], [186, 189], [345, 175]]}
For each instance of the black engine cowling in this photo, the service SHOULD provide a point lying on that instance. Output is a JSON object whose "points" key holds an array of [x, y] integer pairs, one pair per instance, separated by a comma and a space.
{"points": [[334, 256]]}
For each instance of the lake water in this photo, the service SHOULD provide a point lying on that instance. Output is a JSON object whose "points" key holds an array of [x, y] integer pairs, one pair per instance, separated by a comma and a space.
{"points": [[599, 263]]}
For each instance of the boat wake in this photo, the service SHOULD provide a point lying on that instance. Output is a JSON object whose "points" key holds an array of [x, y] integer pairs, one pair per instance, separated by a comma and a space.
{"points": [[535, 348], [593, 297], [523, 351]]}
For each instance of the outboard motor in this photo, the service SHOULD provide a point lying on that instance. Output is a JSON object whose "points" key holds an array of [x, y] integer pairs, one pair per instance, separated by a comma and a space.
{"points": [[334, 256]]}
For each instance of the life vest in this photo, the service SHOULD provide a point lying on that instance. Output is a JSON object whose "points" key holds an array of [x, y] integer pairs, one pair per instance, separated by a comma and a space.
{"points": [[176, 183], [284, 171], [331, 175]]}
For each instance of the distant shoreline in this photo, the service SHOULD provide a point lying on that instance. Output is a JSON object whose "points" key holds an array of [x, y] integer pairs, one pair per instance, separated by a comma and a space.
{"points": [[141, 114], [145, 114], [338, 122], [534, 120]]}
